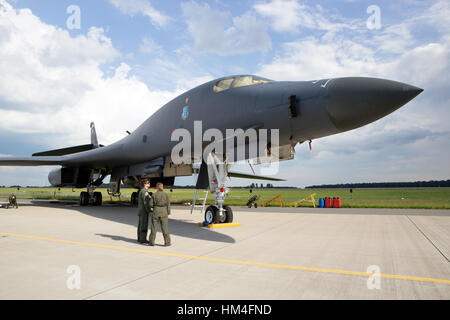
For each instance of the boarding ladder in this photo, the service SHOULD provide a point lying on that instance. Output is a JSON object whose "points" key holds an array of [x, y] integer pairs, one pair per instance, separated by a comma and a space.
{"points": [[201, 199]]}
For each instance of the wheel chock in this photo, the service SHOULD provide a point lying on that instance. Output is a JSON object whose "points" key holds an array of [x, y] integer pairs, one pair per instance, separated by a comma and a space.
{"points": [[218, 225]]}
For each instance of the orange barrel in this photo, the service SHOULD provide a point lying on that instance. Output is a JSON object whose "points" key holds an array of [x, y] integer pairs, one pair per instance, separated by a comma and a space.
{"points": [[336, 202], [328, 202]]}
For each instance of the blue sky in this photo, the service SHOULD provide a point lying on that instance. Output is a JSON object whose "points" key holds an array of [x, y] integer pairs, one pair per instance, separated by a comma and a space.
{"points": [[130, 57]]}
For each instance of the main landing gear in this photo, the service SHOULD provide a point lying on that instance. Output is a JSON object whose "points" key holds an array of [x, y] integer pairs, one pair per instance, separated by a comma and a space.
{"points": [[134, 199], [90, 197]]}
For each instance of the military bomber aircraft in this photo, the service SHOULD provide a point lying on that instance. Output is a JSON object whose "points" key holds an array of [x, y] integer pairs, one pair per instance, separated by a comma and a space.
{"points": [[301, 110]]}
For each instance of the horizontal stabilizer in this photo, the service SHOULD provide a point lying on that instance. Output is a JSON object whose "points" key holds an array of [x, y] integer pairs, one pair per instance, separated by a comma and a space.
{"points": [[31, 161], [252, 176], [64, 151]]}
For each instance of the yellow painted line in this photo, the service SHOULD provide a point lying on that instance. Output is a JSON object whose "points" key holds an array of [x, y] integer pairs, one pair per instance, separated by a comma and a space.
{"points": [[269, 265]]}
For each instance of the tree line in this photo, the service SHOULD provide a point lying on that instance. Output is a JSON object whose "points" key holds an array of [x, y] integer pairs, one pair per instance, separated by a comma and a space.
{"points": [[415, 184]]}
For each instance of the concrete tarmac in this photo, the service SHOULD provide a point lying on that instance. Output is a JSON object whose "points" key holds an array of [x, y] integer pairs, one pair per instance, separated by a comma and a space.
{"points": [[47, 249]]}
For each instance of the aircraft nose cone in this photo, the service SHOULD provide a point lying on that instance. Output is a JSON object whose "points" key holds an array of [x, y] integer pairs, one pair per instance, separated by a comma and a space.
{"points": [[354, 102]]}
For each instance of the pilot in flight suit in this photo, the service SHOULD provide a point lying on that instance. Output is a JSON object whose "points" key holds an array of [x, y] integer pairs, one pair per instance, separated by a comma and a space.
{"points": [[160, 203], [144, 211]]}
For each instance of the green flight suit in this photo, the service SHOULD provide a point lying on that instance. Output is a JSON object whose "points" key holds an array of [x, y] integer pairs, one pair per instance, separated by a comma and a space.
{"points": [[160, 203], [143, 212]]}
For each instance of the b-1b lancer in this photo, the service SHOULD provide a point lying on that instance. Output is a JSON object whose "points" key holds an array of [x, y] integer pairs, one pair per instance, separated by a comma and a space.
{"points": [[300, 110]]}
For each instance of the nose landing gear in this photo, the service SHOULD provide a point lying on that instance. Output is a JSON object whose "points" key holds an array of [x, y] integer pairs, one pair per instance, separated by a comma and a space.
{"points": [[213, 215], [217, 174]]}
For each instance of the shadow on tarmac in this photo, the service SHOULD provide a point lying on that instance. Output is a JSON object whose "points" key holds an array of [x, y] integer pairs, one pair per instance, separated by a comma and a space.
{"points": [[119, 238], [128, 215]]}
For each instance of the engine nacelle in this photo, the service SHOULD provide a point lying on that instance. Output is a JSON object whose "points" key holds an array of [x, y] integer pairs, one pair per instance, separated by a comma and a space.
{"points": [[69, 177]]}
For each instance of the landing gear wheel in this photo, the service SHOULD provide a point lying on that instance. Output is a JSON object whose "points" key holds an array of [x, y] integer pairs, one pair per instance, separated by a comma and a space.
{"points": [[210, 214], [221, 218], [228, 213], [84, 199], [134, 199], [98, 198]]}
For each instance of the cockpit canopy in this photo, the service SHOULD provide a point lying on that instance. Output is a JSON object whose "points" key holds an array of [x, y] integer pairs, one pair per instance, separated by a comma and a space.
{"points": [[238, 81]]}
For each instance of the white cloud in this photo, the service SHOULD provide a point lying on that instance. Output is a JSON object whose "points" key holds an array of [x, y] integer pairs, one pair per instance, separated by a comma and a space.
{"points": [[391, 53], [52, 83], [394, 39], [36, 57], [213, 33], [289, 15], [144, 7], [426, 65], [177, 74], [406, 145], [437, 15], [318, 58]]}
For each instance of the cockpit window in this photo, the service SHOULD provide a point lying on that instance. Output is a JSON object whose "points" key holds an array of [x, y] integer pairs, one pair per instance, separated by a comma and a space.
{"points": [[243, 81], [240, 81], [223, 84]]}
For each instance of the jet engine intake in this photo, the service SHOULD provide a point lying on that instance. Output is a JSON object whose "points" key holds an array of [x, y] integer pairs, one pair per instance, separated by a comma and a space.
{"points": [[69, 176]]}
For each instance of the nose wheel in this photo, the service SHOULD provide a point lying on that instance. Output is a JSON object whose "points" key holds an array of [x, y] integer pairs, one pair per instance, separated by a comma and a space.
{"points": [[210, 214], [214, 215]]}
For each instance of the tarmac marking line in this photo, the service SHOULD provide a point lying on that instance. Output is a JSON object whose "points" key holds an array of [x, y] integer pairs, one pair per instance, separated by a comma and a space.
{"points": [[260, 264], [429, 240]]}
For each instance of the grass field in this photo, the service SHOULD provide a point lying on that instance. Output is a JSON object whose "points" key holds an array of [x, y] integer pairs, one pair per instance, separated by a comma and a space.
{"points": [[428, 198]]}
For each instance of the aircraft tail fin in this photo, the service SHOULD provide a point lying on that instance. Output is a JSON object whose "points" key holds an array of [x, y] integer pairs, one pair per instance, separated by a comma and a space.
{"points": [[70, 150], [94, 140]]}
